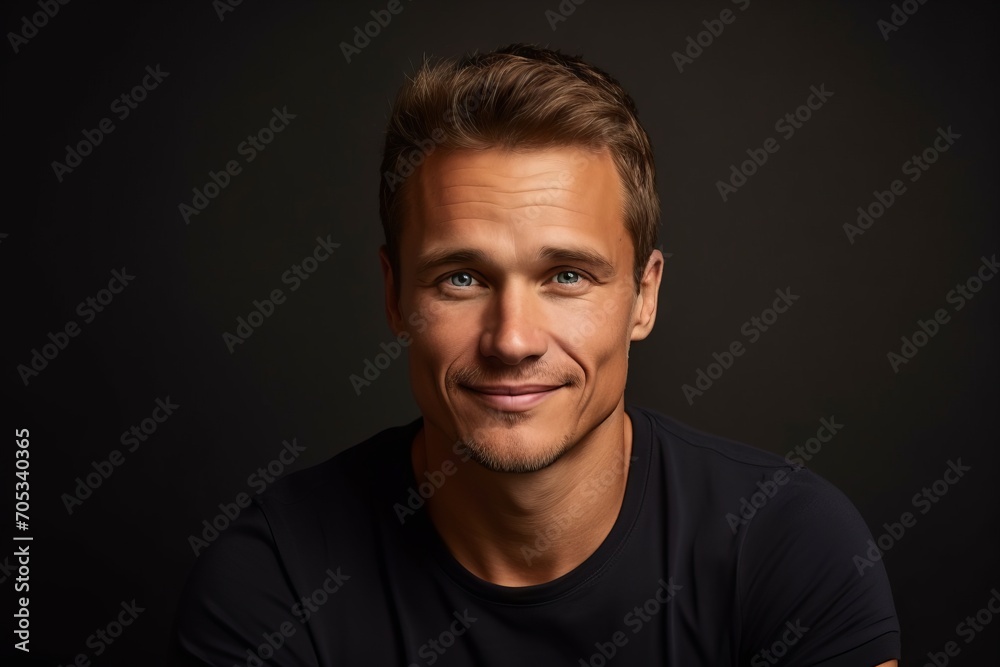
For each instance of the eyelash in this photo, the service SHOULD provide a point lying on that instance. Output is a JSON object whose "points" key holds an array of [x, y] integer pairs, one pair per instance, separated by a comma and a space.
{"points": [[582, 275]]}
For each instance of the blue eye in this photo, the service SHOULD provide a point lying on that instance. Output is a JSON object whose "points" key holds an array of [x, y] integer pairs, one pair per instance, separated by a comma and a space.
{"points": [[573, 276], [465, 279]]}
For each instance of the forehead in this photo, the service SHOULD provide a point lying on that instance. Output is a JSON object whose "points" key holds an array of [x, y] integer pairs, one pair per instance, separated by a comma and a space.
{"points": [[457, 193]]}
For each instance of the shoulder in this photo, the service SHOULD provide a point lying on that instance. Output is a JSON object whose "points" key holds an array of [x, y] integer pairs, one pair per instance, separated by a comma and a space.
{"points": [[692, 443], [250, 579], [715, 469], [347, 473], [763, 495], [742, 497], [802, 561], [794, 543], [349, 485], [308, 513]]}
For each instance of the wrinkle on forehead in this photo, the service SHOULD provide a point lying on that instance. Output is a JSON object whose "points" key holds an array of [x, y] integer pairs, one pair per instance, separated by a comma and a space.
{"points": [[509, 207], [499, 186], [487, 211]]}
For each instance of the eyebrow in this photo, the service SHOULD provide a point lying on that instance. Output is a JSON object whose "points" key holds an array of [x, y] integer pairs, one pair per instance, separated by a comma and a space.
{"points": [[593, 260], [444, 256]]}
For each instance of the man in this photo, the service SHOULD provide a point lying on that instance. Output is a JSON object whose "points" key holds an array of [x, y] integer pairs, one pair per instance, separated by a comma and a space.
{"points": [[531, 516]]}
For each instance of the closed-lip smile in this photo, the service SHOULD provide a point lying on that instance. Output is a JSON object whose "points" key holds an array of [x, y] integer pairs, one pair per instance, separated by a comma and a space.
{"points": [[513, 397]]}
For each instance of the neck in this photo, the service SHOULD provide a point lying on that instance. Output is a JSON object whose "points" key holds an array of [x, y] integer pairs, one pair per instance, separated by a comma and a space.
{"points": [[520, 529]]}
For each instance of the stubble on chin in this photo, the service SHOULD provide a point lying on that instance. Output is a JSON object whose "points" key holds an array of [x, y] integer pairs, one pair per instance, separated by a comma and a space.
{"points": [[509, 450], [504, 446]]}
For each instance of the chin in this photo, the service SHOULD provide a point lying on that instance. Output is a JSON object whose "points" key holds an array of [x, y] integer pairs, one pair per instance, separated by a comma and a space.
{"points": [[507, 448]]}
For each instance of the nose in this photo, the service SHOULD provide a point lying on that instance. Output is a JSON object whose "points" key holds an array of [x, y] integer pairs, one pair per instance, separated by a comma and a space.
{"points": [[514, 327]]}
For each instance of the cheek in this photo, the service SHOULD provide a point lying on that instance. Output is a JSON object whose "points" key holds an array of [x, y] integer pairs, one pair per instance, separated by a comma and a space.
{"points": [[423, 316], [440, 334], [597, 332]]}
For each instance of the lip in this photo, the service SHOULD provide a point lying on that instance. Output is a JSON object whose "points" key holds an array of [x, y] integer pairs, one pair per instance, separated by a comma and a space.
{"points": [[513, 398]]}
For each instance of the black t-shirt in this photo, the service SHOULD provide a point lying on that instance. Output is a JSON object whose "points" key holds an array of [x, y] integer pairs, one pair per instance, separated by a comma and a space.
{"points": [[722, 554]]}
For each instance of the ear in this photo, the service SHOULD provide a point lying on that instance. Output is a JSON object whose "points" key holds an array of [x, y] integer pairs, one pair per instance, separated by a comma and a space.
{"points": [[644, 310], [392, 312]]}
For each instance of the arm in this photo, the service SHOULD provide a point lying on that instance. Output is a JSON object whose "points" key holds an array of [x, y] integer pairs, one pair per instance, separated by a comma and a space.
{"points": [[236, 598], [802, 597]]}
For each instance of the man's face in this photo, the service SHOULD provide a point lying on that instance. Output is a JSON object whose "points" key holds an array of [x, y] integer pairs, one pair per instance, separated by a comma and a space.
{"points": [[515, 281]]}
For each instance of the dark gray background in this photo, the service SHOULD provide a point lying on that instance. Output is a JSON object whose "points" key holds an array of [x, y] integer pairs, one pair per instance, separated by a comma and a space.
{"points": [[162, 335]]}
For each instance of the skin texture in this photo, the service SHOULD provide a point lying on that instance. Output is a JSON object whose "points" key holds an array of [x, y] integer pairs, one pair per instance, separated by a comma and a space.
{"points": [[496, 289], [484, 294]]}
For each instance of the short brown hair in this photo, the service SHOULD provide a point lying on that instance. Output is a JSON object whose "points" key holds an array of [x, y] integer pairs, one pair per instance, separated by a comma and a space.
{"points": [[518, 97]]}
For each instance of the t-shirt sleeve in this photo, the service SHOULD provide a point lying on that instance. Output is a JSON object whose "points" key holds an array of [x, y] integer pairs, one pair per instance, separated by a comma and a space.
{"points": [[238, 604], [804, 597]]}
